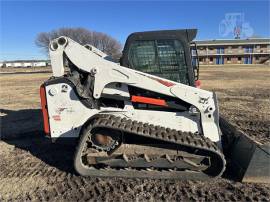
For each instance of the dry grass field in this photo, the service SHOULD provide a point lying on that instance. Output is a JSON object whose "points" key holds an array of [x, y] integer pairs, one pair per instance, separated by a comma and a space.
{"points": [[31, 168]]}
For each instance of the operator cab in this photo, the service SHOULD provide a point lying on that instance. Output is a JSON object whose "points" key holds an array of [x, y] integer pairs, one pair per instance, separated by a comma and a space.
{"points": [[169, 54]]}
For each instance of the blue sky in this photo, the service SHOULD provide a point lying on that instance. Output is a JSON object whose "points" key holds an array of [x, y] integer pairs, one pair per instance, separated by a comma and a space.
{"points": [[21, 21]]}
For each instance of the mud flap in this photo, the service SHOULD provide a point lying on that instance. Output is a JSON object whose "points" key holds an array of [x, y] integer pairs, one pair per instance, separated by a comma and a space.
{"points": [[248, 160]]}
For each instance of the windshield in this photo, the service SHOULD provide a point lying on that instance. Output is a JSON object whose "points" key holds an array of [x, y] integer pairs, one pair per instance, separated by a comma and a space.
{"points": [[163, 58]]}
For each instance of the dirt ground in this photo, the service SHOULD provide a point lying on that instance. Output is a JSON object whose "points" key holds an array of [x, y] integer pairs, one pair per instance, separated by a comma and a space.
{"points": [[33, 169]]}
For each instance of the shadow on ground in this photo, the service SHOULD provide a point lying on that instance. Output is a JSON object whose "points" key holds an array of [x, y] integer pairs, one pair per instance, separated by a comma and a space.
{"points": [[17, 123], [24, 130]]}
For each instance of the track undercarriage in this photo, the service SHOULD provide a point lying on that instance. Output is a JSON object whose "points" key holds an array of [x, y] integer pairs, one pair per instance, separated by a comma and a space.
{"points": [[115, 146]]}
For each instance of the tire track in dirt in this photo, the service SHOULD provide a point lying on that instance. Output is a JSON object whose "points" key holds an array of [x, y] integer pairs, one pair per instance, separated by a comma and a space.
{"points": [[256, 129], [32, 172], [248, 110]]}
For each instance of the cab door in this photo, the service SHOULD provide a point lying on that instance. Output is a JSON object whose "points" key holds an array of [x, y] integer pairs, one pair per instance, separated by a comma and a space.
{"points": [[162, 57]]}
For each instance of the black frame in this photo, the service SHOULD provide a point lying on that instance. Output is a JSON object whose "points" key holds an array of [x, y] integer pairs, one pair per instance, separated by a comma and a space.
{"points": [[197, 66]]}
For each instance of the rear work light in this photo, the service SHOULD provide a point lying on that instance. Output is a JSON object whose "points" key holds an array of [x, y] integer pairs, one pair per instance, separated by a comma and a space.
{"points": [[44, 108], [198, 84]]}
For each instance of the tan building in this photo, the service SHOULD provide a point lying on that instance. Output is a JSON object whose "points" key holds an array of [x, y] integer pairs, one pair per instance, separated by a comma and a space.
{"points": [[234, 51]]}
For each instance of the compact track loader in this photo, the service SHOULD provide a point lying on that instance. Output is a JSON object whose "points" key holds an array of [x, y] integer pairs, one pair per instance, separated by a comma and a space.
{"points": [[133, 123]]}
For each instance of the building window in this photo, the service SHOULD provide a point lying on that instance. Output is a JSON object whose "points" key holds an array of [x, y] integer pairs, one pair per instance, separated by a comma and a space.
{"points": [[258, 46], [220, 50], [247, 60], [248, 49], [228, 59], [239, 58], [219, 60], [257, 58], [200, 59], [211, 59], [193, 52]]}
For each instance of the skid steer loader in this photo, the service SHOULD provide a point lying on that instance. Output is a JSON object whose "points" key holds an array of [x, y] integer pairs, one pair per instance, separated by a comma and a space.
{"points": [[145, 120]]}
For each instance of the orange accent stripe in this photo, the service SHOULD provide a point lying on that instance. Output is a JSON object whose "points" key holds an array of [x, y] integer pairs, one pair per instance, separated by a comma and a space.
{"points": [[44, 109], [148, 100]]}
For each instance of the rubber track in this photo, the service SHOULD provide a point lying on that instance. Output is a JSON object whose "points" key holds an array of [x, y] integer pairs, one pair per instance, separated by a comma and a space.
{"points": [[187, 139]]}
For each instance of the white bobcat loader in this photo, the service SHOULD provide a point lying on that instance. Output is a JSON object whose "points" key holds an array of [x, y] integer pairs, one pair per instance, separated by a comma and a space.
{"points": [[130, 123]]}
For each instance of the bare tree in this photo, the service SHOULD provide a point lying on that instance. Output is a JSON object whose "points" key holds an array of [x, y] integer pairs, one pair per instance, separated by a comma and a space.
{"points": [[83, 36]]}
